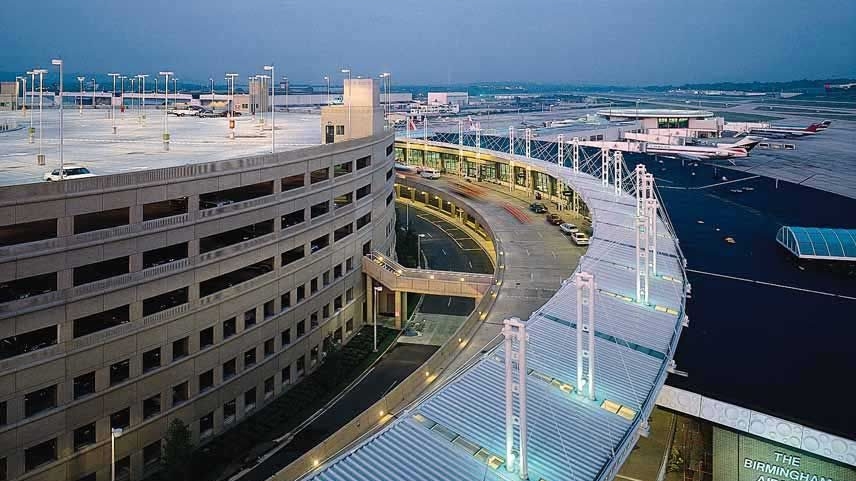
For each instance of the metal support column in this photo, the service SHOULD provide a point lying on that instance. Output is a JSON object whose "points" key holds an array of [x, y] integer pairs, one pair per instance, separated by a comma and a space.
{"points": [[478, 144], [575, 163], [617, 162], [511, 140], [640, 188], [604, 167], [651, 206], [642, 239], [460, 147], [575, 154], [407, 121], [585, 333], [560, 155], [513, 329]]}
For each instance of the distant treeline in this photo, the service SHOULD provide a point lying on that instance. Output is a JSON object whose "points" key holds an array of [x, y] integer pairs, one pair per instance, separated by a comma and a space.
{"points": [[790, 86]]}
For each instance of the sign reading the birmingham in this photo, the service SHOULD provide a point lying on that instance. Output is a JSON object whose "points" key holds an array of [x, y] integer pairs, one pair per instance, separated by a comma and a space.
{"points": [[738, 457], [785, 467]]}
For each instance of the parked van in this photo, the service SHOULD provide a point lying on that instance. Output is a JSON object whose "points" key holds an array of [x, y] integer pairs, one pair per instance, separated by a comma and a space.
{"points": [[430, 173]]}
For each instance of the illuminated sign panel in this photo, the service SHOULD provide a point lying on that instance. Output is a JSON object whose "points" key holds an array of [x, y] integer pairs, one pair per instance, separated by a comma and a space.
{"points": [[737, 457]]}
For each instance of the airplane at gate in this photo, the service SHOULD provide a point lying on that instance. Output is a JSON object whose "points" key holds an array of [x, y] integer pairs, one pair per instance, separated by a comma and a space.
{"points": [[784, 133]]}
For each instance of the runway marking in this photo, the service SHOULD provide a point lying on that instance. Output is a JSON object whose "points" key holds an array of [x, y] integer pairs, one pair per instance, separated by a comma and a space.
{"points": [[793, 288]]}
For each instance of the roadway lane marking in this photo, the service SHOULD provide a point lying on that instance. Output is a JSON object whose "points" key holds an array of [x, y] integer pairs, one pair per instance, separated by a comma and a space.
{"points": [[444, 252]]}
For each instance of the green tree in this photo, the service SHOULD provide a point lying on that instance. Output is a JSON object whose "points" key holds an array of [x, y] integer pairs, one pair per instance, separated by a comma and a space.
{"points": [[177, 450]]}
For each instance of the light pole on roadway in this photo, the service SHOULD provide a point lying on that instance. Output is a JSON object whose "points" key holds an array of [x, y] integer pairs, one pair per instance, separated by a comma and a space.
{"points": [[114, 433], [40, 159], [376, 290], [230, 86], [81, 79], [327, 79], [165, 108], [419, 250], [348, 71], [113, 101], [31, 132], [58, 62], [142, 78], [272, 107]]}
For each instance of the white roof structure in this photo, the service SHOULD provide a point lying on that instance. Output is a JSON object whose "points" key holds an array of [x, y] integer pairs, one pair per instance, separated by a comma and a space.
{"points": [[818, 242], [458, 432]]}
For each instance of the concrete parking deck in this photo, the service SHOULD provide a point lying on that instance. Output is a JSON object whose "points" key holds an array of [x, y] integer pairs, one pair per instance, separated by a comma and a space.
{"points": [[88, 140]]}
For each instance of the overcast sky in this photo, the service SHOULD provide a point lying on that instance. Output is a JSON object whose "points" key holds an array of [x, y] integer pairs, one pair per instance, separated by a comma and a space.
{"points": [[626, 42]]}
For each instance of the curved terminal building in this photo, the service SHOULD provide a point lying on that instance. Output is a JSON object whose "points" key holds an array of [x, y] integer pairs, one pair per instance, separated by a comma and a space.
{"points": [[571, 388], [198, 291]]}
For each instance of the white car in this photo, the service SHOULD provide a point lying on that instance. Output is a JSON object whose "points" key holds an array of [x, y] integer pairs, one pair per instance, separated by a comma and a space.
{"points": [[189, 111], [404, 167], [580, 239], [70, 172], [568, 228], [430, 173]]}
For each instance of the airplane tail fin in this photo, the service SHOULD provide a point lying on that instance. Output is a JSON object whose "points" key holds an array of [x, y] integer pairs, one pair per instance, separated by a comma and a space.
{"points": [[747, 143]]}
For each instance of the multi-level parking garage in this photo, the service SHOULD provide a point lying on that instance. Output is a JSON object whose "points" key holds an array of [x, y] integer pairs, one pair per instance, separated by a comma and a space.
{"points": [[199, 291]]}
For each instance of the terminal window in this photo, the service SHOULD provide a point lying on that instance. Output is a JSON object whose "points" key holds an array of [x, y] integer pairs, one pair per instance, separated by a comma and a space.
{"points": [[151, 406], [120, 419], [40, 454], [84, 385], [40, 400]]}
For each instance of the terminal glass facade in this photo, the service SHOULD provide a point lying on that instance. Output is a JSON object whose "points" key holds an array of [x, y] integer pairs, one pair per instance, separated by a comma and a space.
{"points": [[673, 123]]}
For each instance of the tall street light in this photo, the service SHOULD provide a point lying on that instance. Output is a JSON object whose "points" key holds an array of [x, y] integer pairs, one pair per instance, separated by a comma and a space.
{"points": [[114, 433], [122, 94], [251, 82], [348, 71], [327, 79], [376, 290], [31, 132], [230, 78], [113, 101], [134, 90], [419, 250], [58, 62], [24, 96], [386, 80], [286, 93], [94, 85], [81, 79], [40, 159], [272, 107], [165, 105], [212, 93], [142, 78]]}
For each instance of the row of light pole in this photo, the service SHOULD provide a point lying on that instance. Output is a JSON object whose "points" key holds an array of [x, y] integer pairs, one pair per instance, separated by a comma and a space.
{"points": [[142, 79]]}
